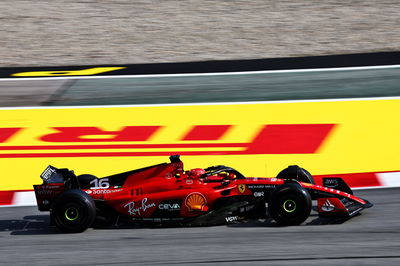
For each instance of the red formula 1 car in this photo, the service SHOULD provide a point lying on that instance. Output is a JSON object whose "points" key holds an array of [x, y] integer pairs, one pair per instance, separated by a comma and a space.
{"points": [[165, 194]]}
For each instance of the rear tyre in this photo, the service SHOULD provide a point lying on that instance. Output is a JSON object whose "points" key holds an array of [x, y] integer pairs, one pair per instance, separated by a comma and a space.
{"points": [[290, 204], [73, 211], [297, 173]]}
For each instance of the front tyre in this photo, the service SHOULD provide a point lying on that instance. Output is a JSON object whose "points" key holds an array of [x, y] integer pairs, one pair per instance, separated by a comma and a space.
{"points": [[73, 211], [290, 204], [297, 173]]}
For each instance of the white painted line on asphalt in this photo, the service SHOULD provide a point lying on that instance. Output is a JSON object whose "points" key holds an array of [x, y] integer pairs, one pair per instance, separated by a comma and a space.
{"points": [[202, 104], [209, 74]]}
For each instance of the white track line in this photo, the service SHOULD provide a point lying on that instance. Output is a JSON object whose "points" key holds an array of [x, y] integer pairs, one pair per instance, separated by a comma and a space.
{"points": [[206, 74], [201, 104]]}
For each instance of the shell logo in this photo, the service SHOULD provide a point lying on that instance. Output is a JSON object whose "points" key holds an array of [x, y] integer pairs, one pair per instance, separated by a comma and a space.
{"points": [[195, 201]]}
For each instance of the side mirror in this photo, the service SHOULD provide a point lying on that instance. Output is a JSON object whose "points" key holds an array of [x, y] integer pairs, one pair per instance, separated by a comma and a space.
{"points": [[225, 182]]}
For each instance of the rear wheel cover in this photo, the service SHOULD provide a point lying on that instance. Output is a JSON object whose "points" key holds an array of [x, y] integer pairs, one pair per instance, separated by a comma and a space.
{"points": [[71, 214]]}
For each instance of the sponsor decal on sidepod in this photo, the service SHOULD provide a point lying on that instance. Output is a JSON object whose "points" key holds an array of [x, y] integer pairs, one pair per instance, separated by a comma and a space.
{"points": [[134, 209]]}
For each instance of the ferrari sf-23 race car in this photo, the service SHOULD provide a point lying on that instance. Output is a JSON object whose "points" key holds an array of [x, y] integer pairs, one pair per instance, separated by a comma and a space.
{"points": [[165, 194]]}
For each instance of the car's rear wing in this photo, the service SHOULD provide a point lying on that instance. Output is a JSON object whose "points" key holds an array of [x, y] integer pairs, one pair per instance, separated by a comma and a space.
{"points": [[55, 181], [53, 175]]}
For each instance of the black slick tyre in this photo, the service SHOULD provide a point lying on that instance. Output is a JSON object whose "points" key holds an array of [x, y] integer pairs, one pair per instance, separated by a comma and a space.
{"points": [[85, 180], [73, 211], [297, 173], [290, 204]]}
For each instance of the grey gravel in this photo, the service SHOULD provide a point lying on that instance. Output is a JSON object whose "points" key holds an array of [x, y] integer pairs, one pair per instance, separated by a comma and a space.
{"points": [[79, 32]]}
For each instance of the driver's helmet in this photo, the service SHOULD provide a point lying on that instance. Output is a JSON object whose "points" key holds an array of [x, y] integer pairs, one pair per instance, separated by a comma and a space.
{"points": [[196, 173]]}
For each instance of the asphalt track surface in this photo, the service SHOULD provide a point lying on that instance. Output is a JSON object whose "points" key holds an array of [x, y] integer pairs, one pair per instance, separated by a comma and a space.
{"points": [[372, 238], [331, 84], [234, 88]]}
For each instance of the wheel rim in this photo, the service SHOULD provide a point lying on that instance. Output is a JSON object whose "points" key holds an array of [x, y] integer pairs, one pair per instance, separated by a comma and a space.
{"points": [[71, 214], [289, 206]]}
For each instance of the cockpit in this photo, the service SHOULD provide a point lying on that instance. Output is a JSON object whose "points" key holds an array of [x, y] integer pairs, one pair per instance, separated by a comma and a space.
{"points": [[220, 173]]}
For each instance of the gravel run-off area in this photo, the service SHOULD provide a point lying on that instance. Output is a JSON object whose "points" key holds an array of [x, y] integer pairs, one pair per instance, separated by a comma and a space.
{"points": [[84, 32]]}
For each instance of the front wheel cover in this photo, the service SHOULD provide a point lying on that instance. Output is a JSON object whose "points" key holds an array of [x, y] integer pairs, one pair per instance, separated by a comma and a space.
{"points": [[74, 211], [290, 204]]}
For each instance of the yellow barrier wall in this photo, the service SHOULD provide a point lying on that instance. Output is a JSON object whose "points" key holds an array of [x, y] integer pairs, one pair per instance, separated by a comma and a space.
{"points": [[325, 137]]}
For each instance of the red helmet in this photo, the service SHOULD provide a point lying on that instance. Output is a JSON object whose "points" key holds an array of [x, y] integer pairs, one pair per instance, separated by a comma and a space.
{"points": [[196, 173]]}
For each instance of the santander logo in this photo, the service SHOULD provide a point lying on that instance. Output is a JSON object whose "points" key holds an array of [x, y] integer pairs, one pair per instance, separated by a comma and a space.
{"points": [[327, 206]]}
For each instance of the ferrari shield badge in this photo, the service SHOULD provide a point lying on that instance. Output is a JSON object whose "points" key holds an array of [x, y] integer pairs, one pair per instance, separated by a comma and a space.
{"points": [[242, 188]]}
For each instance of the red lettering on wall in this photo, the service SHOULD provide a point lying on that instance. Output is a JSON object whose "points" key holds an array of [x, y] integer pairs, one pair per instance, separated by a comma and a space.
{"points": [[91, 134], [7, 133], [204, 132], [289, 139], [271, 139]]}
